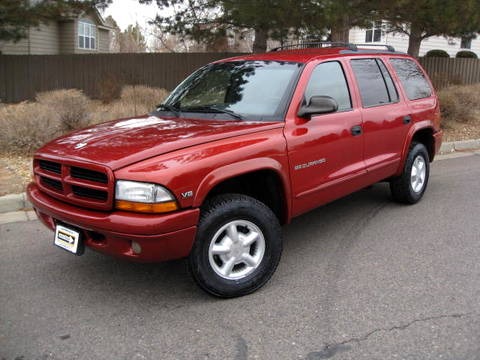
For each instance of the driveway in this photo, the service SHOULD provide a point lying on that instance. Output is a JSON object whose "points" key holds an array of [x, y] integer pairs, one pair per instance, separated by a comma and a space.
{"points": [[360, 278]]}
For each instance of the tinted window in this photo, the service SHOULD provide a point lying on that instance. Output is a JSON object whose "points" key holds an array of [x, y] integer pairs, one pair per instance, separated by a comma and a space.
{"points": [[371, 83], [412, 79], [392, 91], [328, 79]]}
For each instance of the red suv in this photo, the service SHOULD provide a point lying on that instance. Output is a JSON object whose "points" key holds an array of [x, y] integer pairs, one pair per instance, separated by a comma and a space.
{"points": [[239, 148]]}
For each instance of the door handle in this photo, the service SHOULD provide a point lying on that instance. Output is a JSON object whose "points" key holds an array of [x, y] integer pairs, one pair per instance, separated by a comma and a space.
{"points": [[407, 119], [356, 130]]}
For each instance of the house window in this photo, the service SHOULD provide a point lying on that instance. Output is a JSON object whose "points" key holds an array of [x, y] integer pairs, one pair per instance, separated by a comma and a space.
{"points": [[466, 43], [374, 34], [86, 35]]}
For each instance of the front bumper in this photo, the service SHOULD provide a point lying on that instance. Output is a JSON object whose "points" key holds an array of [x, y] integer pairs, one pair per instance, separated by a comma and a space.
{"points": [[161, 237]]}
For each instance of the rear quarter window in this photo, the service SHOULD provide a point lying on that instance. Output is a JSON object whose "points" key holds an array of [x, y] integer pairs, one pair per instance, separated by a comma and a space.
{"points": [[412, 79]]}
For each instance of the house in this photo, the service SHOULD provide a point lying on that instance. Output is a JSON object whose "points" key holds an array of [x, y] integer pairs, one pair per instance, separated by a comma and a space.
{"points": [[86, 33], [377, 34]]}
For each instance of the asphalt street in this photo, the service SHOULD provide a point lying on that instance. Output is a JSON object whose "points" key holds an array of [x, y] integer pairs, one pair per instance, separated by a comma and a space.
{"points": [[360, 278]]}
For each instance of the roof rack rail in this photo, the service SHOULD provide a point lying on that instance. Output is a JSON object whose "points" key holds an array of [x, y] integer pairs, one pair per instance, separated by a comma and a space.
{"points": [[389, 48], [315, 44]]}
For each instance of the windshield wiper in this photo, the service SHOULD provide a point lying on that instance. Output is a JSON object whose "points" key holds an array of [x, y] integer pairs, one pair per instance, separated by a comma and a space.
{"points": [[170, 108], [212, 108]]}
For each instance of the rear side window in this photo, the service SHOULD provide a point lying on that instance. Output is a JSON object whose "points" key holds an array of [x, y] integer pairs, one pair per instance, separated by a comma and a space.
{"points": [[328, 79], [374, 82], [392, 91], [412, 79]]}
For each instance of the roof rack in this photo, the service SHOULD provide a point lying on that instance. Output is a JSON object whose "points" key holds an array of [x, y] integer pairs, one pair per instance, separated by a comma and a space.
{"points": [[388, 47], [316, 44], [323, 44]]}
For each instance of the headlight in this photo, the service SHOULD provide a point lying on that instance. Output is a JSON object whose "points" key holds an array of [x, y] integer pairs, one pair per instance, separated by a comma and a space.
{"points": [[143, 197]]}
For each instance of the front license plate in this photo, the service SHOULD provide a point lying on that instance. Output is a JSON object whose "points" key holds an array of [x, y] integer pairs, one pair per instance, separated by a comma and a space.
{"points": [[68, 239]]}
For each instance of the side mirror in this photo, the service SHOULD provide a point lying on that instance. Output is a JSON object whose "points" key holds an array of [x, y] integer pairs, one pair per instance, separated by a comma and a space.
{"points": [[318, 105]]}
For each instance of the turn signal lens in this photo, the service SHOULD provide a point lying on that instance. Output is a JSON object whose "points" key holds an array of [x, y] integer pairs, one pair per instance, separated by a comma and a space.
{"points": [[146, 207]]}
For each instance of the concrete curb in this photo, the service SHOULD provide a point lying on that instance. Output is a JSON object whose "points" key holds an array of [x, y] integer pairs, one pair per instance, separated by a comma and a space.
{"points": [[462, 145], [14, 202]]}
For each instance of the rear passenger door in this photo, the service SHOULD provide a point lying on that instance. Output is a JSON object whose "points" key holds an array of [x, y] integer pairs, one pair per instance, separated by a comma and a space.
{"points": [[386, 119]]}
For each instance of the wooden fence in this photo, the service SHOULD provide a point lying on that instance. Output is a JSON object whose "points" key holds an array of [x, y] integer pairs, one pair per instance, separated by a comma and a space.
{"points": [[22, 76], [452, 71]]}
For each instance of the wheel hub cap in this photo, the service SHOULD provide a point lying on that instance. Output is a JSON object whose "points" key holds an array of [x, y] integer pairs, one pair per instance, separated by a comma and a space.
{"points": [[236, 249], [418, 174]]}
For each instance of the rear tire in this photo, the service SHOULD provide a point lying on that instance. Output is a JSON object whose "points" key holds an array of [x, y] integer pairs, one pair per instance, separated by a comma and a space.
{"points": [[237, 248], [409, 187]]}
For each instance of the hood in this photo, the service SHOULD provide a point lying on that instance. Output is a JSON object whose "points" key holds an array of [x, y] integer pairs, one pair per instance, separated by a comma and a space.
{"points": [[123, 142]]}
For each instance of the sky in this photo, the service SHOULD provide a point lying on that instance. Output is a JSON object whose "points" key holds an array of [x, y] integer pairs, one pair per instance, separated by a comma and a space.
{"points": [[126, 12]]}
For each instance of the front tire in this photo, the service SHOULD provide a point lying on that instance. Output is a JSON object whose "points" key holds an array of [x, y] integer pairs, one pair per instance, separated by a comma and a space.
{"points": [[238, 246], [409, 187]]}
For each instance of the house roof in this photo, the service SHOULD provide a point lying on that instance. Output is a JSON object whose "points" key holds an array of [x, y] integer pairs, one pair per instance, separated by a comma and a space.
{"points": [[95, 13]]}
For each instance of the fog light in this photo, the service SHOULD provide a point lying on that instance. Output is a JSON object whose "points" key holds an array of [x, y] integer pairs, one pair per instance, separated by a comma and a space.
{"points": [[137, 249]]}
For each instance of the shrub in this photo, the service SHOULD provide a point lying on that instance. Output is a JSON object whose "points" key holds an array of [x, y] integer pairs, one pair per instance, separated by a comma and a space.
{"points": [[437, 53], [115, 110], [143, 95], [459, 104], [109, 88], [71, 107], [27, 126], [466, 54], [134, 100]]}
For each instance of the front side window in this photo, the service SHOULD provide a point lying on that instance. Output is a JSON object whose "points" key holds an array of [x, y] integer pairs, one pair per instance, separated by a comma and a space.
{"points": [[412, 79], [256, 90], [86, 35], [372, 83], [374, 34], [328, 79]]}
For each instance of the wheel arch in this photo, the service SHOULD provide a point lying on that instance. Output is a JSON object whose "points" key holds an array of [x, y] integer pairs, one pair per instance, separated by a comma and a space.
{"points": [[421, 132], [262, 179]]}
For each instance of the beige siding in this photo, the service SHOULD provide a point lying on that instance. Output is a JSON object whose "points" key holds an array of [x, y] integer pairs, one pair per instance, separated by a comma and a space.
{"points": [[67, 37], [103, 40], [43, 40], [11, 48]]}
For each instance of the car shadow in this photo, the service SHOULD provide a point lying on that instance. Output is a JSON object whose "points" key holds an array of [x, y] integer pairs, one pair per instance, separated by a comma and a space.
{"points": [[170, 285]]}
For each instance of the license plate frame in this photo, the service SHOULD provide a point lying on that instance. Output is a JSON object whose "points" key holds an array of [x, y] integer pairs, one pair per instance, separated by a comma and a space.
{"points": [[68, 239]]}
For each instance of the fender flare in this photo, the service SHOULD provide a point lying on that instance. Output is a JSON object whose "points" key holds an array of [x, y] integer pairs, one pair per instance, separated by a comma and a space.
{"points": [[229, 171], [421, 125]]}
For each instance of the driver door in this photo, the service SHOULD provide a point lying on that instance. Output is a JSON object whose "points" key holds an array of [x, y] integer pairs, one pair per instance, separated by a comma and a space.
{"points": [[326, 152]]}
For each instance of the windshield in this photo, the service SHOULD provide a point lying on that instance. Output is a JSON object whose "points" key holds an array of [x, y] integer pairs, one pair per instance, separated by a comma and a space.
{"points": [[248, 90]]}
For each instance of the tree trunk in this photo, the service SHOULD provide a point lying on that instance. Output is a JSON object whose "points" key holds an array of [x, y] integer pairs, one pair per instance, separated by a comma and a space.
{"points": [[340, 30], [260, 42], [414, 40]]}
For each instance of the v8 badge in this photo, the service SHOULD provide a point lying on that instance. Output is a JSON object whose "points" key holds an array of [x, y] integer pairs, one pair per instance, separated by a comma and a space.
{"points": [[187, 194]]}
